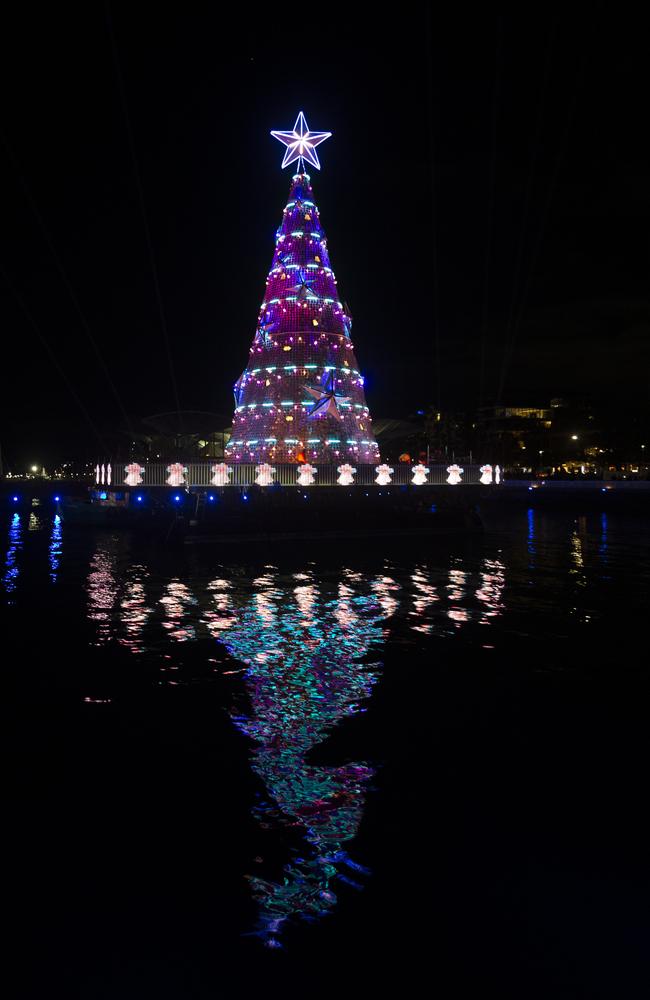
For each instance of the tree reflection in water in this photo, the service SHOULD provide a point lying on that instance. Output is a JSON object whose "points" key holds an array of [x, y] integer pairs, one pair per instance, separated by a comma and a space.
{"points": [[304, 646], [300, 642]]}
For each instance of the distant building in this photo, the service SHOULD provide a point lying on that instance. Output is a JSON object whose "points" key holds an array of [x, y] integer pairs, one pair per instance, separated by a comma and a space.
{"points": [[513, 434], [188, 434], [490, 415]]}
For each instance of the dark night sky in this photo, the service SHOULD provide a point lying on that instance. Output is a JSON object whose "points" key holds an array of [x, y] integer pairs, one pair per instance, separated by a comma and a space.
{"points": [[552, 152]]}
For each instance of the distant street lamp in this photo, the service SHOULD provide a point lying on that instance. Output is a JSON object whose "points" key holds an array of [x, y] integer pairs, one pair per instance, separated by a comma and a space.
{"points": [[574, 437]]}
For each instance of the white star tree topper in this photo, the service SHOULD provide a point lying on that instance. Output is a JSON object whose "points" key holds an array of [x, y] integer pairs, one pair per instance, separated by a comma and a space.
{"points": [[301, 143]]}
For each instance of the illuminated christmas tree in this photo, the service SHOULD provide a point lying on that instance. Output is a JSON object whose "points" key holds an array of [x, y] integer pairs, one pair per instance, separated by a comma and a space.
{"points": [[301, 397]]}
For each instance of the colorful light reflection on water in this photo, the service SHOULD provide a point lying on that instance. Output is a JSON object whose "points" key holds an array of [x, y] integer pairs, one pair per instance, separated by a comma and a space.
{"points": [[12, 569], [55, 546], [301, 650], [306, 653]]}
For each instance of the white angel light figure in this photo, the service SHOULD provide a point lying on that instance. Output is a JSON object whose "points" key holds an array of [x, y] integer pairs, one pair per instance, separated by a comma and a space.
{"points": [[221, 472], [109, 474], [264, 474], [346, 474], [486, 475], [455, 472], [133, 474], [384, 472], [497, 474], [306, 474], [177, 472], [97, 474], [420, 473]]}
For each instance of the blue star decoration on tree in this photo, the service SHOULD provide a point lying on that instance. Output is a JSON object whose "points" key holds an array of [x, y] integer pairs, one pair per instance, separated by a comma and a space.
{"points": [[328, 400], [303, 287], [263, 335], [301, 144]]}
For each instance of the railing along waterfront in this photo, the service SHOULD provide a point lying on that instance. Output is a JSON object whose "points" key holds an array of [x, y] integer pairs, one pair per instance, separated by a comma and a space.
{"points": [[218, 475]]}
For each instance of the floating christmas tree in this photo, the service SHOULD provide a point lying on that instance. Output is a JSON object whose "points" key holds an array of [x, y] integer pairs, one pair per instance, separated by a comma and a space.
{"points": [[301, 397]]}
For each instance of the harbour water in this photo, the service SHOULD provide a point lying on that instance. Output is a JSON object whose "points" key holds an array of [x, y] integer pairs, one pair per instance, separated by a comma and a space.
{"points": [[314, 768]]}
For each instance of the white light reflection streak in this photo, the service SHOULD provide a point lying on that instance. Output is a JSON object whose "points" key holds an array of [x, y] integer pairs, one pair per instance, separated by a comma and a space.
{"points": [[577, 558], [102, 592], [384, 587], [425, 595], [220, 616], [456, 593], [134, 608], [177, 602], [343, 610], [493, 581]]}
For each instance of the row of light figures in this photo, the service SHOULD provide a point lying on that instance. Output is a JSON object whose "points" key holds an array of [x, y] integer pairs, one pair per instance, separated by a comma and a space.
{"points": [[264, 473]]}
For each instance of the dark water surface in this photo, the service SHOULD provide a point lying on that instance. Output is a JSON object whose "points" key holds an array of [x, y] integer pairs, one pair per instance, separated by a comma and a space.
{"points": [[302, 772]]}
